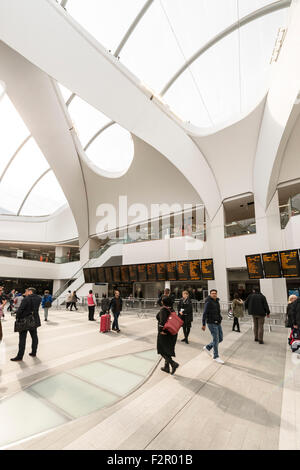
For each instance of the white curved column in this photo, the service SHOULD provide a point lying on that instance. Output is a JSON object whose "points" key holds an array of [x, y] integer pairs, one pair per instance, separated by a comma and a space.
{"points": [[76, 60], [35, 97]]}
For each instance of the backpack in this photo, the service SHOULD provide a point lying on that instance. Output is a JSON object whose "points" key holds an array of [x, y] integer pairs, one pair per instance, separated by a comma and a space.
{"points": [[294, 336], [48, 304]]}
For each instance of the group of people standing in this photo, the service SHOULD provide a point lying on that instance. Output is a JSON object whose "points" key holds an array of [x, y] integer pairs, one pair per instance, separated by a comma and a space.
{"points": [[256, 304]]}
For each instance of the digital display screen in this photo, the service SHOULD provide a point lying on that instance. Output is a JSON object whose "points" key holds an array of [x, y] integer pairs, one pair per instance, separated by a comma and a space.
{"points": [[151, 272], [116, 274], [133, 273], [271, 265], [207, 269], [124, 274], [142, 272], [161, 271], [100, 275], [108, 274], [195, 271], [254, 267], [290, 263], [171, 271], [183, 270], [86, 273]]}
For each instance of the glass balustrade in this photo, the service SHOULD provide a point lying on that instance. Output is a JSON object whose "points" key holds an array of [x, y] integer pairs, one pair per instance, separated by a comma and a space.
{"points": [[240, 227]]}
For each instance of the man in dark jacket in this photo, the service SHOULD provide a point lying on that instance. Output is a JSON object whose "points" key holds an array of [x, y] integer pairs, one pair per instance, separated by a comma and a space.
{"points": [[185, 311], [296, 313], [30, 305], [167, 293], [212, 316], [258, 307], [115, 306]]}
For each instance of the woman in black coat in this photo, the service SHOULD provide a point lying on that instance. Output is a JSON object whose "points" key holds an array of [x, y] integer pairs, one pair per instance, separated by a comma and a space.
{"points": [[185, 311], [165, 341], [290, 311]]}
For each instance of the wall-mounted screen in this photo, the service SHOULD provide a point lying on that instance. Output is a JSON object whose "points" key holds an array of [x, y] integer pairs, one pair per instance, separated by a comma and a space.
{"points": [[271, 264], [125, 274], [254, 267], [290, 263], [86, 273], [100, 275], [183, 270], [161, 271], [151, 272], [171, 271], [195, 270], [142, 272], [116, 273], [108, 274], [207, 269], [133, 276]]}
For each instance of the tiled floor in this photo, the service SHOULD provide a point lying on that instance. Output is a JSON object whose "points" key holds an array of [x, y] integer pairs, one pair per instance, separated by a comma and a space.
{"points": [[86, 390]]}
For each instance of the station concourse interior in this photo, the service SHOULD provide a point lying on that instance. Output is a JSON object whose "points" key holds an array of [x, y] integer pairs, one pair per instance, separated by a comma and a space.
{"points": [[149, 145]]}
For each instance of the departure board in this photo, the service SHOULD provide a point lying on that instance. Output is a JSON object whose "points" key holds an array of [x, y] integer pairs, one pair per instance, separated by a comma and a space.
{"points": [[207, 269], [271, 265], [100, 275], [108, 274], [161, 271], [133, 272], [86, 273], [171, 271], [183, 270], [290, 263], [124, 274], [142, 272], [195, 271], [151, 272], [116, 273], [254, 267], [93, 275]]}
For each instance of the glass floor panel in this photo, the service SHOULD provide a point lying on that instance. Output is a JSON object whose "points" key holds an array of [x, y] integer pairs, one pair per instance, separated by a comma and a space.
{"points": [[151, 354], [73, 396], [132, 363], [110, 378], [23, 416]]}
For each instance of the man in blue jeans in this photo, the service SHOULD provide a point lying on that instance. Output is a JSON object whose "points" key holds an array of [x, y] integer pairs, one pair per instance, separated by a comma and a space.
{"points": [[212, 316]]}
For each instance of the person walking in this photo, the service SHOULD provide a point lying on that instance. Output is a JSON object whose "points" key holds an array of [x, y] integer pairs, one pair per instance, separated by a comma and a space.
{"points": [[105, 302], [74, 299], [257, 306], [238, 311], [30, 305], [296, 313], [46, 303], [185, 311], [115, 306], [68, 299], [91, 305], [212, 316], [290, 311], [167, 293], [165, 341]]}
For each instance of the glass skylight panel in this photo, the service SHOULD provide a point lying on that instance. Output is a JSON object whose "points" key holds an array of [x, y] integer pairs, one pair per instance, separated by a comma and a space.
{"points": [[106, 20], [45, 198], [87, 119], [195, 22], [24, 170], [151, 52], [112, 150], [257, 44], [13, 132]]}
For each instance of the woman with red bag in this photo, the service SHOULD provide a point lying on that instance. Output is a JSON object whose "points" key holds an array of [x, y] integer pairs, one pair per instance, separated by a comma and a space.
{"points": [[165, 340]]}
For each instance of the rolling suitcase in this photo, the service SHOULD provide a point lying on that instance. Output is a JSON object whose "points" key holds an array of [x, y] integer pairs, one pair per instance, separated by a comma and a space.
{"points": [[105, 323]]}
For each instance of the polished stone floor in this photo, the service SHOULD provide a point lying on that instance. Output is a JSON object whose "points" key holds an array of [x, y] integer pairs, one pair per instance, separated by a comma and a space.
{"points": [[88, 390]]}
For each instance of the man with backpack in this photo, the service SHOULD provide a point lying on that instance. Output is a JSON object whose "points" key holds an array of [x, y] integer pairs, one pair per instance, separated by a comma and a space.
{"points": [[257, 306], [46, 303]]}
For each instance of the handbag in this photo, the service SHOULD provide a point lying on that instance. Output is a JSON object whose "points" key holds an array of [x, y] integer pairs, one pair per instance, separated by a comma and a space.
{"points": [[230, 314], [173, 324], [25, 324]]}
